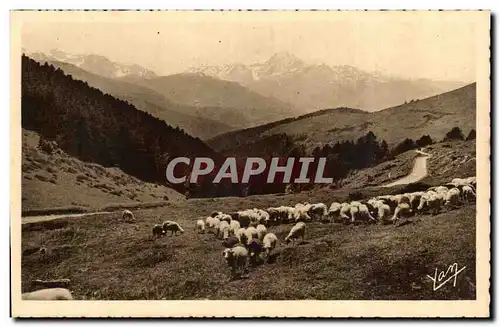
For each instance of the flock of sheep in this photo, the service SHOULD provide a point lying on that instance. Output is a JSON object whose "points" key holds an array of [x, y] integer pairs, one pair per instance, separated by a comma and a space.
{"points": [[245, 235]]}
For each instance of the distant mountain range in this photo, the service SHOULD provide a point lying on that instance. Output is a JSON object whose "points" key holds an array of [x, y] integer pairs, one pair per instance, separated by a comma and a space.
{"points": [[311, 87], [93, 63], [211, 100], [201, 105]]}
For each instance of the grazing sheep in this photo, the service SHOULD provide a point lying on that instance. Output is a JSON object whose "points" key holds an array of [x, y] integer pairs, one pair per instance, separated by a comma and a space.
{"points": [[236, 258], [468, 193], [230, 242], [298, 231], [158, 231], [415, 200], [318, 211], [364, 213], [334, 211], [452, 198], [240, 234], [384, 212], [48, 294], [223, 231], [354, 211], [302, 212], [403, 209], [345, 212], [127, 215], [261, 231], [215, 214], [234, 226], [224, 217], [250, 234], [212, 224], [268, 244], [173, 227], [434, 204], [200, 226], [254, 249], [274, 215], [244, 218]]}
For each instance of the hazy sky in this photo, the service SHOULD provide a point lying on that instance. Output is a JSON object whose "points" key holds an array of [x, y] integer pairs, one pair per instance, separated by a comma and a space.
{"points": [[412, 45]]}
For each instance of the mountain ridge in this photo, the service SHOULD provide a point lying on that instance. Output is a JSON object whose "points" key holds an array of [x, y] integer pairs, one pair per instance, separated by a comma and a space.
{"points": [[311, 87], [434, 116]]}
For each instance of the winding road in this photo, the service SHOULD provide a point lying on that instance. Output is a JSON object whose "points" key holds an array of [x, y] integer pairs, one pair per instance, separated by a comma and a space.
{"points": [[418, 172]]}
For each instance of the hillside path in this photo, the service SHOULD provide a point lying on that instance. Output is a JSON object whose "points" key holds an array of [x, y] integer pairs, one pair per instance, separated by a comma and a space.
{"points": [[36, 219], [418, 172]]}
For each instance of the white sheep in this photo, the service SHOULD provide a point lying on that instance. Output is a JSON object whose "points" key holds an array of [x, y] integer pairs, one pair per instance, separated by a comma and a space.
{"points": [[318, 211], [403, 209], [234, 226], [261, 231], [297, 231], [334, 211], [241, 236], [223, 231], [452, 198], [236, 258], [127, 215], [268, 244], [384, 212], [173, 227], [468, 193], [158, 231], [200, 226], [365, 213], [354, 211], [250, 234], [345, 212], [224, 217], [48, 294]]}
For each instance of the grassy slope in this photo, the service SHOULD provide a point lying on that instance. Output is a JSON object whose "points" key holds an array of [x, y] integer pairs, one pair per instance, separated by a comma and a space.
{"points": [[434, 116], [101, 255], [59, 180]]}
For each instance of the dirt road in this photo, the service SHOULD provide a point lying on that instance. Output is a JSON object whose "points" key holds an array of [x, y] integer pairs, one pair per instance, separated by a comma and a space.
{"points": [[418, 172]]}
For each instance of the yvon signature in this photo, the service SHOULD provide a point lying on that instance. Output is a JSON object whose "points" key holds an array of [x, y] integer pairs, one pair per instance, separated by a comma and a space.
{"points": [[437, 280]]}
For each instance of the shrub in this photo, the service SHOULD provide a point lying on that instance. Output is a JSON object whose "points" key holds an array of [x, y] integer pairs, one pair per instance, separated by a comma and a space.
{"points": [[472, 135], [424, 141], [454, 134]]}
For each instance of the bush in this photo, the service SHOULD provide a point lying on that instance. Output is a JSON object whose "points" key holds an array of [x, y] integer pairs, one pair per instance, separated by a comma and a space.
{"points": [[404, 146], [424, 141], [472, 135], [454, 134]]}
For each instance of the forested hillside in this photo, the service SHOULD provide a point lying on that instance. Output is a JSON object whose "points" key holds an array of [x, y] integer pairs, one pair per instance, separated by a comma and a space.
{"points": [[99, 128]]}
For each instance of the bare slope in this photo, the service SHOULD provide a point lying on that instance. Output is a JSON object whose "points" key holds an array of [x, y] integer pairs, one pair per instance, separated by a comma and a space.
{"points": [[434, 116], [58, 180]]}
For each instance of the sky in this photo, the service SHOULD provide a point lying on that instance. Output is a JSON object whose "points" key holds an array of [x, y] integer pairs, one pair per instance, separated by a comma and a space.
{"points": [[410, 45]]}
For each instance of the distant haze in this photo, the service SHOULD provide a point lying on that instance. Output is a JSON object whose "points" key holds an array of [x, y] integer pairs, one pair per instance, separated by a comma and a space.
{"points": [[411, 45]]}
